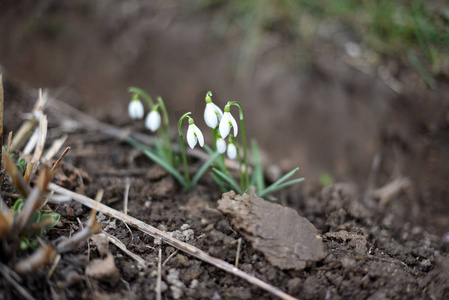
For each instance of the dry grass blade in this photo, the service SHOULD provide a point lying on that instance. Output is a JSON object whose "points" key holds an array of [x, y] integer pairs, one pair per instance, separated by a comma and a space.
{"points": [[54, 148], [42, 137], [28, 172], [5, 222], [41, 257], [59, 159], [33, 201], [17, 180], [28, 126], [142, 262], [156, 233]]}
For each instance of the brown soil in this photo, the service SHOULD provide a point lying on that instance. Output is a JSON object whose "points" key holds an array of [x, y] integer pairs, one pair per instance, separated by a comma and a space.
{"points": [[379, 245]]}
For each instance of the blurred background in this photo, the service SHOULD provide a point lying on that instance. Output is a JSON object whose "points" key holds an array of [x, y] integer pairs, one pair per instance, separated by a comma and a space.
{"points": [[326, 85]]}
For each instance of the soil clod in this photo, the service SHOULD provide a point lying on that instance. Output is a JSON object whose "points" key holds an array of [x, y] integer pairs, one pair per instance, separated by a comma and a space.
{"points": [[286, 239]]}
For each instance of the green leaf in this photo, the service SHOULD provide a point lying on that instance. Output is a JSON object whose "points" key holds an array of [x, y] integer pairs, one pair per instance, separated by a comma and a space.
{"points": [[17, 207], [172, 171], [204, 168], [154, 157], [56, 217], [278, 187], [228, 179], [274, 186], [220, 162], [219, 182], [21, 165]]}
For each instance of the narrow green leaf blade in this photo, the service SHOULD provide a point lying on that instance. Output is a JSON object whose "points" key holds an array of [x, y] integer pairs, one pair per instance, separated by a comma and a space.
{"points": [[278, 187], [204, 168], [234, 185]]}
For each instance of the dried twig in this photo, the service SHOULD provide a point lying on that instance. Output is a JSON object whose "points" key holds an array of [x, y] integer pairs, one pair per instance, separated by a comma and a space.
{"points": [[156, 233], [122, 247], [237, 256], [125, 196], [159, 276], [170, 257]]}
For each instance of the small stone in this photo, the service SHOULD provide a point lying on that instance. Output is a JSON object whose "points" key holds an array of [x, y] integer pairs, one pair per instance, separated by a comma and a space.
{"points": [[185, 227], [294, 285]]}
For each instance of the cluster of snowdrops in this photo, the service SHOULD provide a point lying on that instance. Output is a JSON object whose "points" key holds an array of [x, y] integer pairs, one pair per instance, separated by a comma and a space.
{"points": [[224, 131]]}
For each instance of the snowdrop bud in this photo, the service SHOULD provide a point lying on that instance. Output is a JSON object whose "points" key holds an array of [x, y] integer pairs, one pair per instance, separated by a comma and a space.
{"points": [[232, 151], [194, 135], [135, 109], [153, 120], [221, 145], [226, 123]]}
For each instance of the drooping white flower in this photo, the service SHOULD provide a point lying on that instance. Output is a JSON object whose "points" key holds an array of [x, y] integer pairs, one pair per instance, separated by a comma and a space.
{"points": [[212, 115], [226, 123], [221, 145], [194, 135], [135, 109], [153, 120], [232, 151]]}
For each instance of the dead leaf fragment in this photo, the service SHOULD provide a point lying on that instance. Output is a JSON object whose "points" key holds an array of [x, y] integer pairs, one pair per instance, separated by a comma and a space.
{"points": [[287, 240], [103, 269]]}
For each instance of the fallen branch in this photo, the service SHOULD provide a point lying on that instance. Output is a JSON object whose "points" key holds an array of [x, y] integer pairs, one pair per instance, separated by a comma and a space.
{"points": [[156, 233]]}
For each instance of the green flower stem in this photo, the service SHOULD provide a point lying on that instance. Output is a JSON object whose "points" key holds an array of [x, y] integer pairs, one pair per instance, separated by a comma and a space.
{"points": [[245, 156], [183, 150], [239, 158], [143, 94], [167, 130]]}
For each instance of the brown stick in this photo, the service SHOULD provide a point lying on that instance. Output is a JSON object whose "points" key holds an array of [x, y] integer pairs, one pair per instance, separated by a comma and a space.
{"points": [[156, 233]]}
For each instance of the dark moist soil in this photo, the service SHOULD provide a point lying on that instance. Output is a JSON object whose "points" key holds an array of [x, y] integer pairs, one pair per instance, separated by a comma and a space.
{"points": [[375, 249]]}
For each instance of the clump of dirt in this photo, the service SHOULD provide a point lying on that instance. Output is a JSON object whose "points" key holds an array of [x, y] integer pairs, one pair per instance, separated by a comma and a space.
{"points": [[287, 240]]}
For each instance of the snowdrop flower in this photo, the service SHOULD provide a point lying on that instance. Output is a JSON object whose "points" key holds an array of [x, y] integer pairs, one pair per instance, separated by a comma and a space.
{"points": [[221, 145], [194, 135], [153, 120], [135, 109], [232, 151], [212, 113], [227, 122]]}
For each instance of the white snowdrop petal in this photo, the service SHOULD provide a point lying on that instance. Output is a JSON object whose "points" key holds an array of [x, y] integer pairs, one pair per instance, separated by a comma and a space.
{"points": [[232, 151], [191, 138], [221, 146], [234, 125], [209, 116], [199, 135], [224, 127], [135, 109], [153, 121], [218, 111]]}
